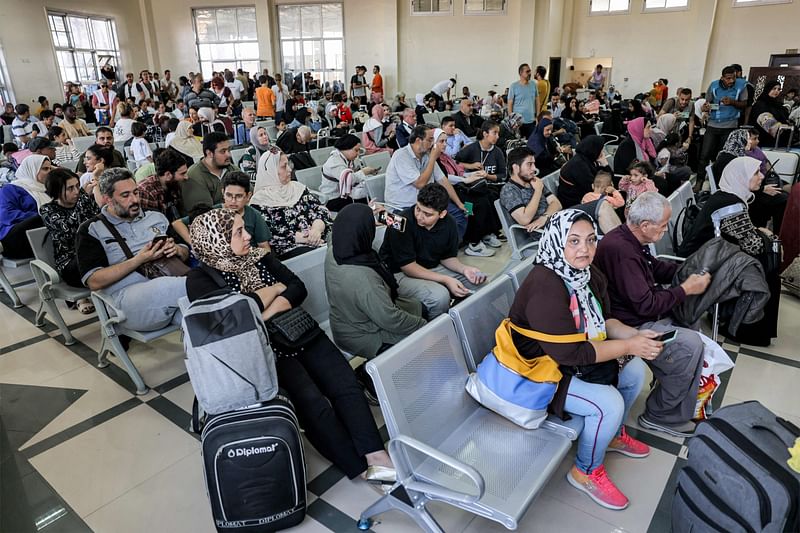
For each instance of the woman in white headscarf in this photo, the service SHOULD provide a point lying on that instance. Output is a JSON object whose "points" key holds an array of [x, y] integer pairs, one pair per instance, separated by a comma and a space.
{"points": [[185, 142], [298, 221], [740, 179], [259, 143], [19, 206]]}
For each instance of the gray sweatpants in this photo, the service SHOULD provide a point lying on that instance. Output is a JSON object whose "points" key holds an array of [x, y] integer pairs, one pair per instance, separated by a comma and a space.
{"points": [[677, 371], [152, 304], [434, 296]]}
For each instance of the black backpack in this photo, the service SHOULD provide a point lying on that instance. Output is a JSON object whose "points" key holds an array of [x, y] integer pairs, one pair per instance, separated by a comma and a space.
{"points": [[687, 218]]}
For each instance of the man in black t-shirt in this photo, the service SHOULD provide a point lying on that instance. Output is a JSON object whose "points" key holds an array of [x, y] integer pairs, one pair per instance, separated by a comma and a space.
{"points": [[358, 84], [424, 258]]}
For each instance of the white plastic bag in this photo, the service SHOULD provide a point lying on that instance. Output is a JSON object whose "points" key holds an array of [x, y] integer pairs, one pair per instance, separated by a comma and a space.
{"points": [[715, 362]]}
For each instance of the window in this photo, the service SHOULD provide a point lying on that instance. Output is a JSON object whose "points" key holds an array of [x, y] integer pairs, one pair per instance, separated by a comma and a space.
{"points": [[312, 40], [608, 7], [226, 38], [6, 95], [747, 3], [433, 7], [665, 5], [83, 45], [484, 7]]}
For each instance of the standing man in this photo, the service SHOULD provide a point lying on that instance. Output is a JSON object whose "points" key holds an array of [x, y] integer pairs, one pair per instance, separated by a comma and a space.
{"points": [[358, 85], [104, 102], [146, 88], [281, 95], [377, 85], [128, 89], [542, 87], [168, 87], [523, 98], [725, 101], [442, 92], [751, 91]]}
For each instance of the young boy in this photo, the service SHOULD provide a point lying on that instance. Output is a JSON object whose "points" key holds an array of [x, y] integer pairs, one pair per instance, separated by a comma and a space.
{"points": [[236, 195], [604, 185], [140, 148]]}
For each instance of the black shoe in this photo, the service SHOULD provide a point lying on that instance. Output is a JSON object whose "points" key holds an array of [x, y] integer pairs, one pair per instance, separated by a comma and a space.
{"points": [[365, 381]]}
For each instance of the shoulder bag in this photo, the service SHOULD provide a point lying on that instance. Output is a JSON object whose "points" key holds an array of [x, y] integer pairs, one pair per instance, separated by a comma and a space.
{"points": [[164, 267]]}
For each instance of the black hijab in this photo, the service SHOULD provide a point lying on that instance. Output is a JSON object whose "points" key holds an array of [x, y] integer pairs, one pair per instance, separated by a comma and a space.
{"points": [[577, 175], [353, 233], [766, 103]]}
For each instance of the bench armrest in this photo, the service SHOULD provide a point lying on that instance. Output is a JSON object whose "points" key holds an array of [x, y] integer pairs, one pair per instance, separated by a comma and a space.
{"points": [[106, 320], [406, 474], [45, 275]]}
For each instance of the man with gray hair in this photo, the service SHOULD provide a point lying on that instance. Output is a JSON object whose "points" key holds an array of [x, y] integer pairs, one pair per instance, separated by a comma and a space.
{"points": [[638, 299], [113, 248]]}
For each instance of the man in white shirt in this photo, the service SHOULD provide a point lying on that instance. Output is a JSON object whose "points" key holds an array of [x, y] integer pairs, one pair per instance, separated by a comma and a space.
{"points": [[281, 95], [442, 92], [236, 86], [169, 87]]}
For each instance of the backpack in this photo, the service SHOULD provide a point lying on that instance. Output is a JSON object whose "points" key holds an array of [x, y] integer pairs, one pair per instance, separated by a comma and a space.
{"points": [[230, 362], [687, 218]]}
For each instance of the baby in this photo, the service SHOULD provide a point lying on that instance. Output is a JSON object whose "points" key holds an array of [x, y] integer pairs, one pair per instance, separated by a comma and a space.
{"points": [[637, 181], [603, 186]]}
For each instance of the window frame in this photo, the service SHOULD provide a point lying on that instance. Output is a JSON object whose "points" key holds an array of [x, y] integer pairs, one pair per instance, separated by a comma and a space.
{"points": [[608, 12], [447, 13], [6, 90], [235, 60], [646, 9], [116, 54], [756, 3], [321, 39], [484, 12]]}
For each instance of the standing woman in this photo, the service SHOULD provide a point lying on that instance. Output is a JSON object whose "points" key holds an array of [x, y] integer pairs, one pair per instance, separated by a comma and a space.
{"points": [[19, 206], [565, 300], [328, 400]]}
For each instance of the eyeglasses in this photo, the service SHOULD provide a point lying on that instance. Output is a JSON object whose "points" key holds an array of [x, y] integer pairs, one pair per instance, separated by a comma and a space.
{"points": [[234, 197]]}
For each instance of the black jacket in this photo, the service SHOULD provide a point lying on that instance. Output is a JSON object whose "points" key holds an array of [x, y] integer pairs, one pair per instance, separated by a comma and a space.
{"points": [[577, 175]]}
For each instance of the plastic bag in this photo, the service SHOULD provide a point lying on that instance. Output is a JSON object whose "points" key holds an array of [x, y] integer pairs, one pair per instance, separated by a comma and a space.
{"points": [[715, 362]]}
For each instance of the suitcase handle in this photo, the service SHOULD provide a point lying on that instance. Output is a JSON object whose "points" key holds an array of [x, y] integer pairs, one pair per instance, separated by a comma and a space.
{"points": [[791, 428], [774, 431]]}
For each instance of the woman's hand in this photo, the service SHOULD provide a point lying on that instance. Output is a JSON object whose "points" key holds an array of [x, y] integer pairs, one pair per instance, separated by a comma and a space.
{"points": [[99, 167], [772, 190], [602, 159], [314, 237], [644, 347], [90, 185]]}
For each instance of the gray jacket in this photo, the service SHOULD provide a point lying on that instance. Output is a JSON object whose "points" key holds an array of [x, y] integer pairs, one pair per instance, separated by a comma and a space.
{"points": [[737, 282]]}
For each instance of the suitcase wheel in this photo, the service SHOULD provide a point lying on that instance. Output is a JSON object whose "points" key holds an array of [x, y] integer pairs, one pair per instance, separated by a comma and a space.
{"points": [[364, 524]]}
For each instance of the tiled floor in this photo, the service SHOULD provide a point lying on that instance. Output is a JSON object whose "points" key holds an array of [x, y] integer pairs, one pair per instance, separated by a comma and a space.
{"points": [[80, 452]]}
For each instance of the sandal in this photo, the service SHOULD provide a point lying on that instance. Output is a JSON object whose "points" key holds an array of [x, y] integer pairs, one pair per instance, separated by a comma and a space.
{"points": [[85, 306]]}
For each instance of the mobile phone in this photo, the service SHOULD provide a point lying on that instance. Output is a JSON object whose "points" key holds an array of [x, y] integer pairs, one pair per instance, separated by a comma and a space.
{"points": [[468, 207], [669, 336], [392, 220], [159, 238]]}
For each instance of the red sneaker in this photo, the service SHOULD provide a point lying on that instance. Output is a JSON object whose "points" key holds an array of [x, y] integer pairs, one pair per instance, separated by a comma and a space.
{"points": [[599, 487], [627, 445]]}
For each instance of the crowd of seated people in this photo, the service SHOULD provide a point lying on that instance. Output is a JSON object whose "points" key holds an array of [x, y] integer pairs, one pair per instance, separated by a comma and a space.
{"points": [[242, 218]]}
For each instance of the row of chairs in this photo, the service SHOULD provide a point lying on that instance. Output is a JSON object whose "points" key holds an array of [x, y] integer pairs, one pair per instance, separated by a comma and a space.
{"points": [[445, 446], [436, 117]]}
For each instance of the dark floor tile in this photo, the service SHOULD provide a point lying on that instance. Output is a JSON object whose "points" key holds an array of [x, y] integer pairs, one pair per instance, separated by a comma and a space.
{"points": [[331, 517], [174, 414], [662, 518], [327, 479]]}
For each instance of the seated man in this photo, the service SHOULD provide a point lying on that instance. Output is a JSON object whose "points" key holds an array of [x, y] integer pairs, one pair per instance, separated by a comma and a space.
{"points": [[148, 304], [72, 125], [423, 258], [414, 166], [104, 136], [638, 300], [162, 191], [236, 194], [466, 120], [295, 140], [405, 127], [203, 185], [524, 195], [22, 125]]}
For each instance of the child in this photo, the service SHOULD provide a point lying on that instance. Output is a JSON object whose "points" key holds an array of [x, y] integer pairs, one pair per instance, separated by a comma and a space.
{"points": [[140, 148], [638, 181], [603, 186]]}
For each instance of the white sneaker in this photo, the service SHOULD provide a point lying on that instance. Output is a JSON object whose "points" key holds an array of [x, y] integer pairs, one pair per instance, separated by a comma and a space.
{"points": [[478, 250], [492, 240]]}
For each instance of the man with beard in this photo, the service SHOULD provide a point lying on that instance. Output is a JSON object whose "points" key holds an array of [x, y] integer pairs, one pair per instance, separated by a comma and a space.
{"points": [[148, 304]]}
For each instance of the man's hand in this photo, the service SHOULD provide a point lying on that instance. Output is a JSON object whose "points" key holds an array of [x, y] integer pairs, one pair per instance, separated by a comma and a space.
{"points": [[436, 151], [536, 224], [705, 108], [726, 100], [537, 185], [455, 287], [369, 171], [150, 252], [696, 284], [169, 248], [475, 276], [644, 347]]}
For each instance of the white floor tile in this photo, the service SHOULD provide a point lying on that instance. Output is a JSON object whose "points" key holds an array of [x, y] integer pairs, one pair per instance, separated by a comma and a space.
{"points": [[770, 383], [100, 465], [158, 361], [38, 363], [15, 328], [182, 396], [788, 340]]}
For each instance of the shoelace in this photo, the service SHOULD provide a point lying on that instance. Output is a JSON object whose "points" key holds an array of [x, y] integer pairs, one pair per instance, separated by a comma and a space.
{"points": [[601, 479]]}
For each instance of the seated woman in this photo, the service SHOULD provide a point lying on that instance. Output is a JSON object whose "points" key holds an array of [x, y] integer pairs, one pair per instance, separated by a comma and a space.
{"points": [[740, 179], [509, 130], [327, 398], [672, 162], [485, 154], [259, 143], [299, 223], [636, 147], [65, 149], [378, 132], [768, 114], [367, 321], [343, 174], [186, 143], [565, 295], [769, 201], [544, 147], [72, 206], [19, 206], [97, 158]]}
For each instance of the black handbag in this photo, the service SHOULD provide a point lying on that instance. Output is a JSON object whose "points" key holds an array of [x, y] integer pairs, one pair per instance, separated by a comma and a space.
{"points": [[605, 373], [293, 328]]}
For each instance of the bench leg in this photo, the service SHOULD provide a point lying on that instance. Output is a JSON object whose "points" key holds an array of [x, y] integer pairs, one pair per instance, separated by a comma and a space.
{"points": [[113, 345], [6, 286], [418, 513], [49, 306]]}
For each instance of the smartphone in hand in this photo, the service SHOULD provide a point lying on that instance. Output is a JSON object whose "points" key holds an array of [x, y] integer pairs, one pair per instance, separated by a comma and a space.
{"points": [[669, 336], [392, 220]]}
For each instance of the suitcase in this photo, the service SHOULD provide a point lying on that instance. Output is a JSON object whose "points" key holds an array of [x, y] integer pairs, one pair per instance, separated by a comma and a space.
{"points": [[737, 479], [255, 468]]}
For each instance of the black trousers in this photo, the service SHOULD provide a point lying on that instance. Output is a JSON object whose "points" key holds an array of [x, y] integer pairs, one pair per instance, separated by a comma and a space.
{"points": [[330, 405], [762, 332], [483, 220], [71, 275], [713, 141], [15, 243], [765, 208]]}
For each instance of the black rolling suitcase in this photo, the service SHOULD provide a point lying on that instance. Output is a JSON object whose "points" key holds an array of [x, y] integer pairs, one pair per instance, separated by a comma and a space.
{"points": [[255, 468]]}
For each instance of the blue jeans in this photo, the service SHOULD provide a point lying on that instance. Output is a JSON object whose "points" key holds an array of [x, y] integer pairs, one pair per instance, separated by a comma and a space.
{"points": [[604, 408], [460, 217]]}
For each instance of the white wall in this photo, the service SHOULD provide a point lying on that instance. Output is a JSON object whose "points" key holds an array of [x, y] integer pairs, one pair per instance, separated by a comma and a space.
{"points": [[29, 50]]}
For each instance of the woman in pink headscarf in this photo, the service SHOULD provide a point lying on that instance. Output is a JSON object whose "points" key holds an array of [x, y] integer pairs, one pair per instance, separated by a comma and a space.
{"points": [[637, 147], [377, 134]]}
